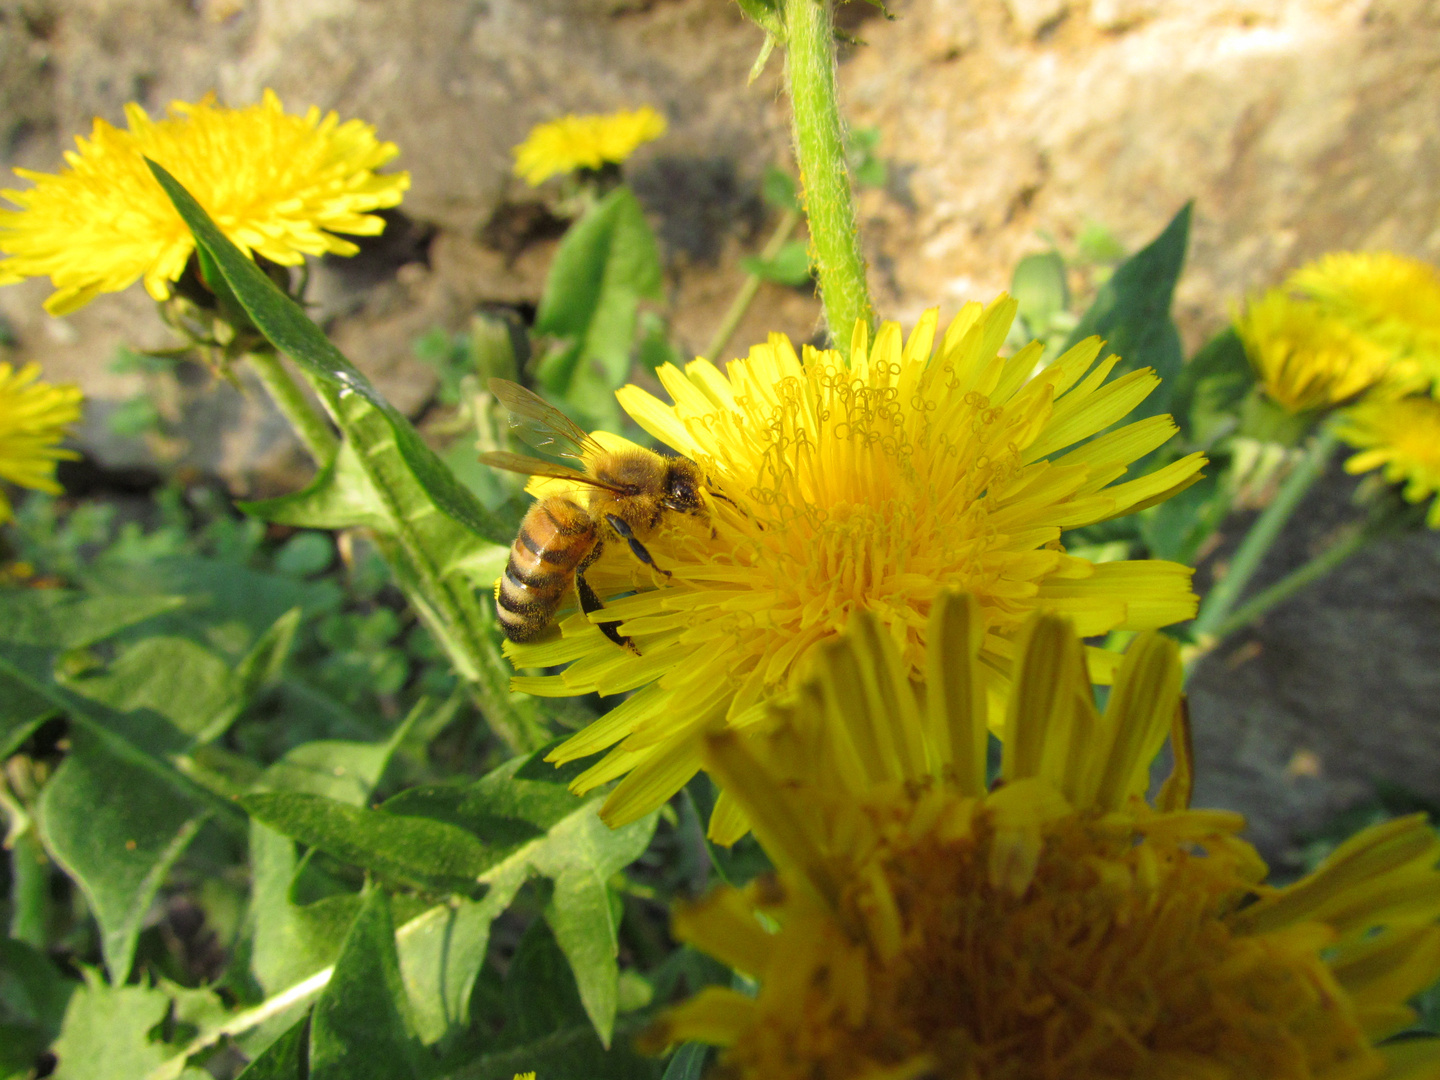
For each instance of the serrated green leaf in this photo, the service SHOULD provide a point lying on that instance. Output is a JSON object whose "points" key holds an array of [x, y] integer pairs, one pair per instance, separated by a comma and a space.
{"points": [[339, 497], [546, 1031], [116, 831], [106, 1032], [1132, 313], [420, 850], [286, 1058], [790, 266], [58, 619], [360, 1028], [286, 326], [607, 262]]}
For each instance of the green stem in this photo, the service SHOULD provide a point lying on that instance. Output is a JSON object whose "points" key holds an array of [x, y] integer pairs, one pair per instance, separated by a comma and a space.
{"points": [[443, 601], [309, 424], [1292, 583], [1222, 597], [731, 322], [29, 890], [824, 174]]}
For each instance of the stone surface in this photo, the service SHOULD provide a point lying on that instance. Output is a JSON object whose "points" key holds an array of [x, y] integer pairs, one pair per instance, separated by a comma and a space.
{"points": [[1298, 126], [1332, 696]]}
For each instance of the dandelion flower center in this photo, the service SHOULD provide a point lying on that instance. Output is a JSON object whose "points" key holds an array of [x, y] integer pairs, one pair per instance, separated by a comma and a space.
{"points": [[872, 486], [922, 924], [1116, 960]]}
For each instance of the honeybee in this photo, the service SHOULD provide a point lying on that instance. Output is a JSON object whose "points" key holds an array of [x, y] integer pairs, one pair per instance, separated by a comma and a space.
{"points": [[627, 495]]}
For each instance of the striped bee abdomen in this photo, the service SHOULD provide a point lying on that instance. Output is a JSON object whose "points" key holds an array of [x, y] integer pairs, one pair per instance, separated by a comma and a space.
{"points": [[554, 538]]}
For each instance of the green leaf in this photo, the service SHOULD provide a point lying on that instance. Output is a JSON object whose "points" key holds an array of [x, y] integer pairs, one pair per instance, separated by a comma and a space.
{"points": [[779, 189], [790, 266], [1132, 313], [1177, 528], [305, 554], [766, 15], [1040, 289], [286, 326], [360, 1028], [228, 607], [106, 1032], [116, 831], [289, 942], [58, 619], [339, 497], [607, 262], [546, 1030], [265, 661], [187, 684], [33, 997], [284, 1059], [339, 769], [1210, 388], [22, 710], [687, 1063], [428, 852]]}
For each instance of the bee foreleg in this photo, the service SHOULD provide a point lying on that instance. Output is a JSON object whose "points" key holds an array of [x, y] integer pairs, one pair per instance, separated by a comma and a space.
{"points": [[622, 527], [590, 603]]}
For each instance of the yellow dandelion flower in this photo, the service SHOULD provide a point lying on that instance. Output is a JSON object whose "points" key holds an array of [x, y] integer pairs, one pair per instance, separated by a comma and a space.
{"points": [[872, 486], [1391, 298], [1308, 358], [33, 419], [584, 142], [1402, 436], [1059, 925], [277, 185]]}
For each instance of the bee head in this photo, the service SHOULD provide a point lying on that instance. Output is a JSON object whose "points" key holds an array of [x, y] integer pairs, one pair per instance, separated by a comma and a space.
{"points": [[684, 486]]}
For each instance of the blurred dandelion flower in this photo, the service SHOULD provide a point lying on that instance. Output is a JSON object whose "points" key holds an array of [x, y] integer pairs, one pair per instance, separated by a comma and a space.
{"points": [[1308, 358], [277, 185], [919, 925], [872, 486], [33, 419], [584, 142], [1402, 437], [1390, 298]]}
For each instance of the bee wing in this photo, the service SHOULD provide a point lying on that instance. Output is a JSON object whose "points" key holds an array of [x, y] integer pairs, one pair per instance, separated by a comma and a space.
{"points": [[531, 466], [541, 425]]}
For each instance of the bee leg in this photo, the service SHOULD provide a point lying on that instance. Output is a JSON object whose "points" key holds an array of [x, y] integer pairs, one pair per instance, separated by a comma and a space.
{"points": [[590, 603], [623, 529]]}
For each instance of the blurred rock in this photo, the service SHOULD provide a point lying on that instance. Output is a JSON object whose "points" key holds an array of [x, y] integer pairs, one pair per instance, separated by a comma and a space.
{"points": [[1332, 696]]}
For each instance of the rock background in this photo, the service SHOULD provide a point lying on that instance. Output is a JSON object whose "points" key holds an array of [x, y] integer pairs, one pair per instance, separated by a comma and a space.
{"points": [[1298, 126]]}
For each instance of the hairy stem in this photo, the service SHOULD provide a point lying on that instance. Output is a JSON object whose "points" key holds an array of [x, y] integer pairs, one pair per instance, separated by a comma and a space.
{"points": [[824, 174], [309, 424], [1222, 597]]}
